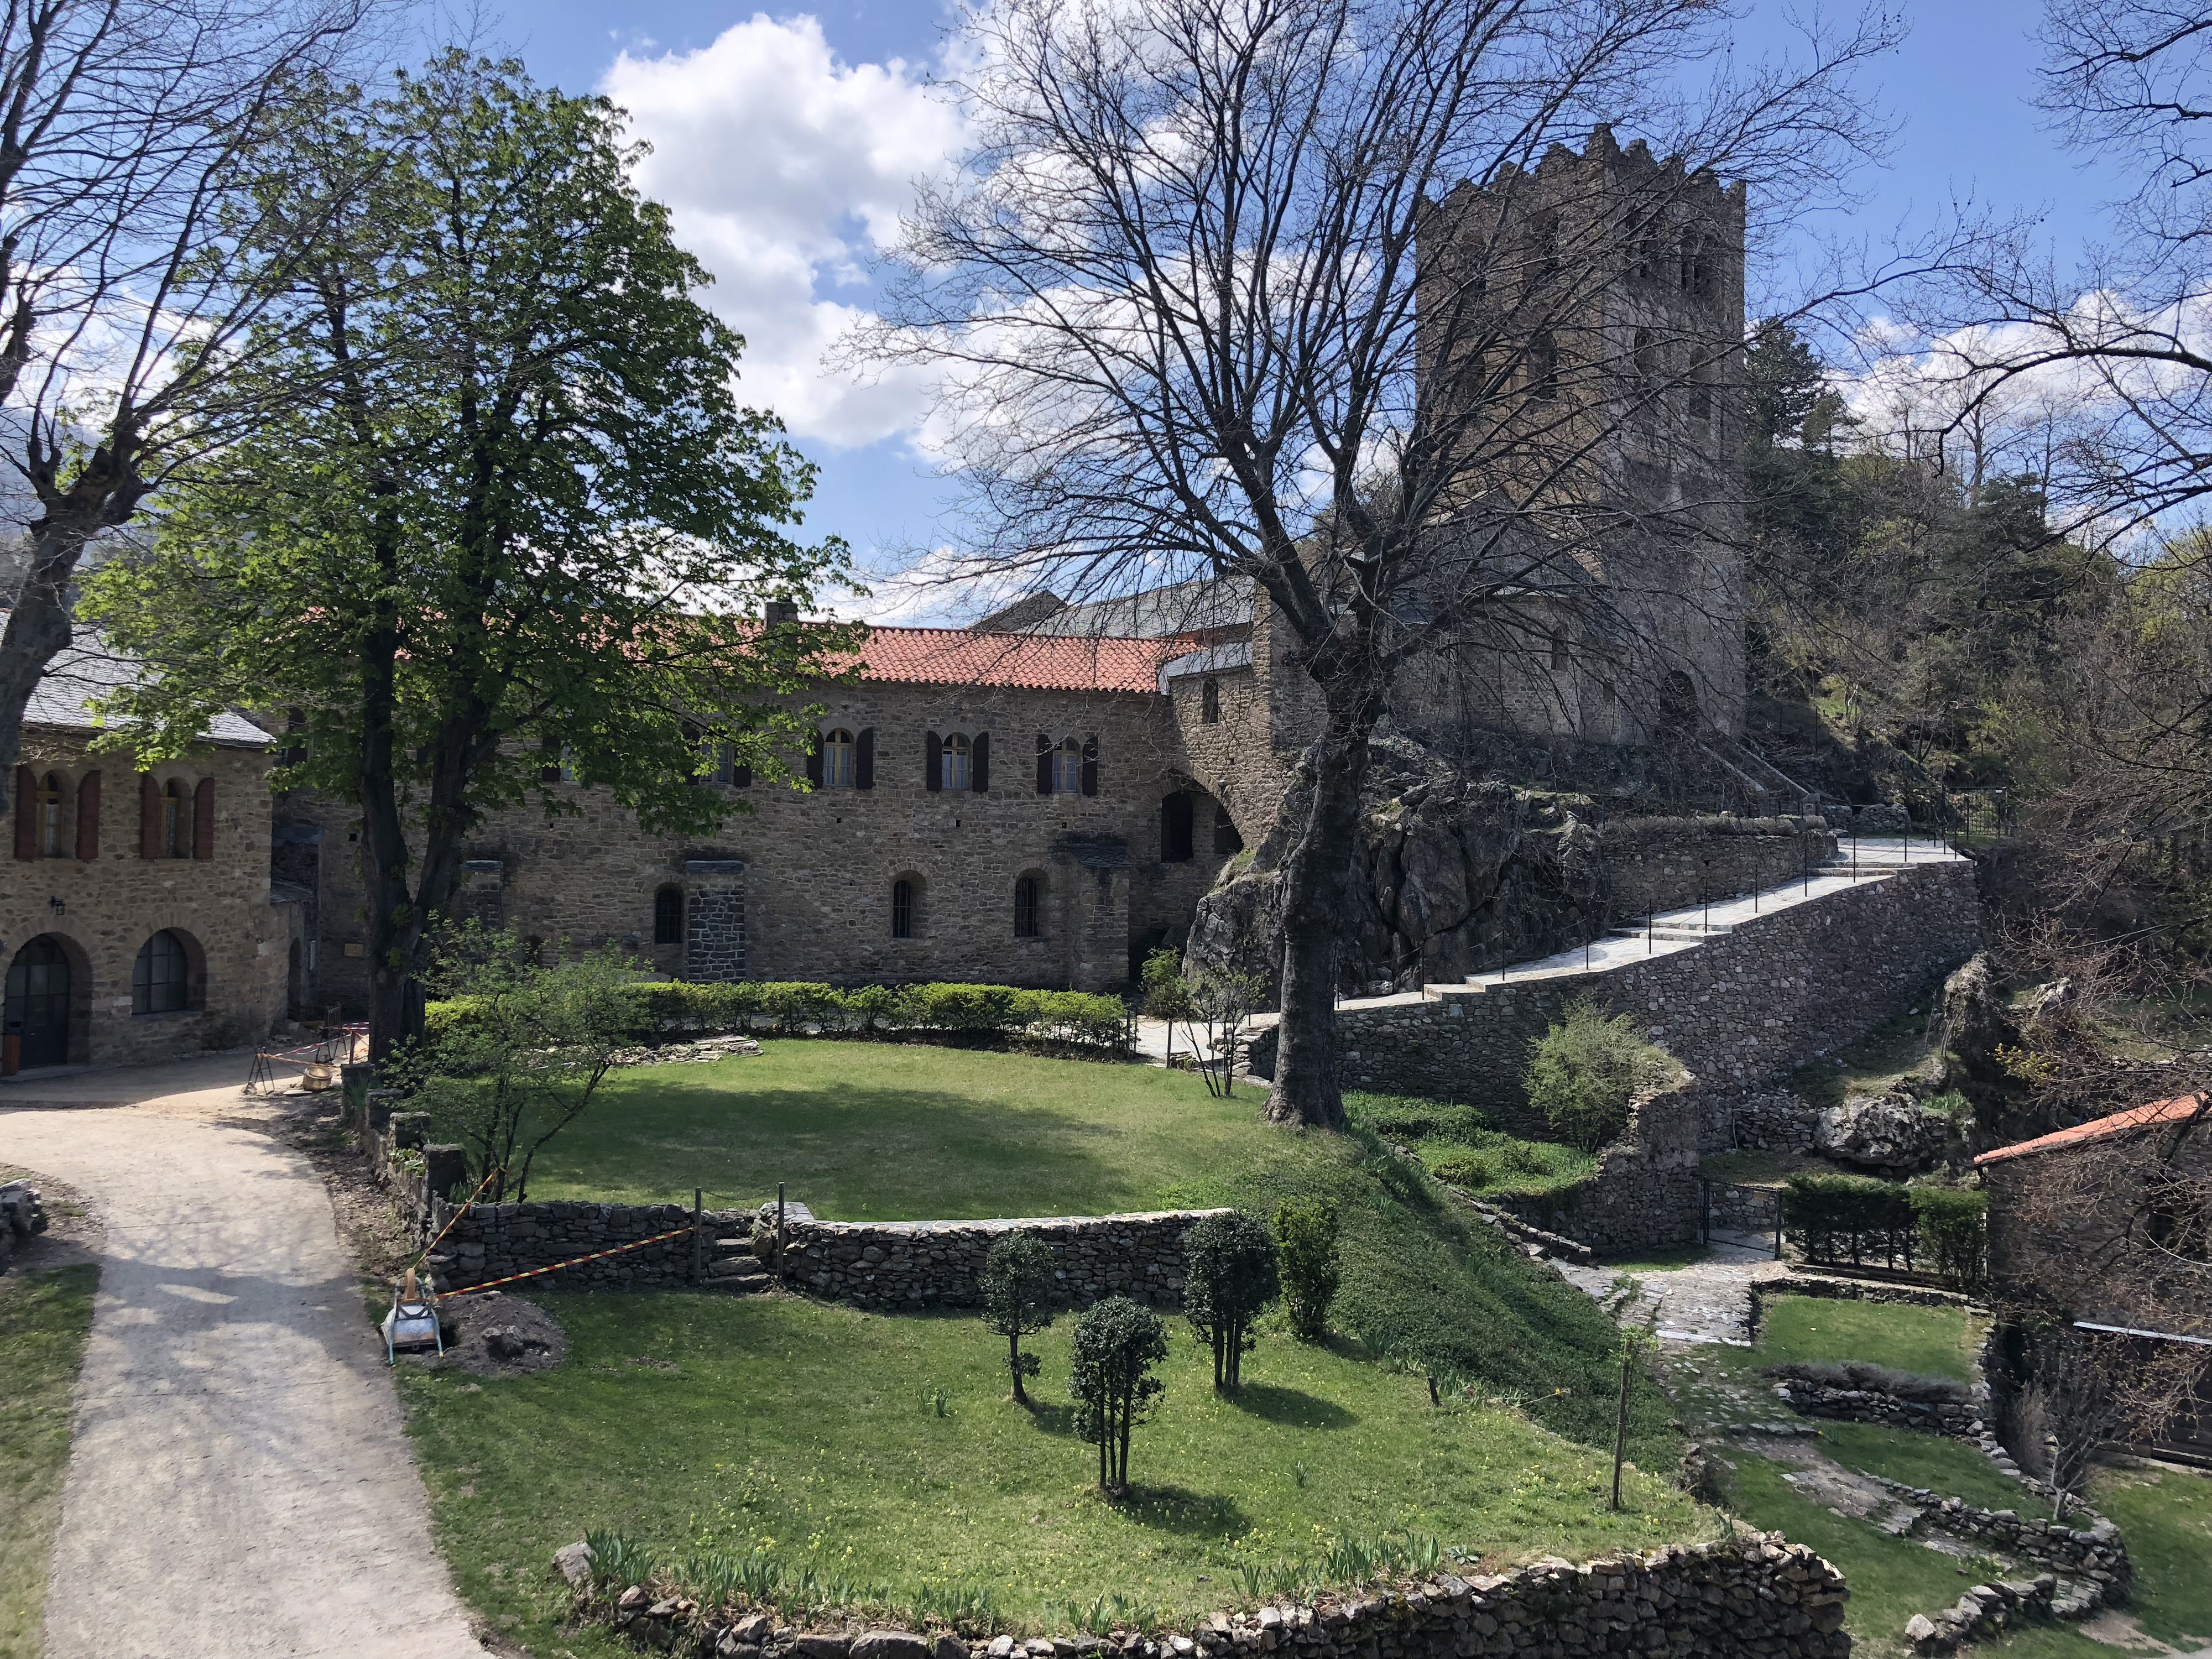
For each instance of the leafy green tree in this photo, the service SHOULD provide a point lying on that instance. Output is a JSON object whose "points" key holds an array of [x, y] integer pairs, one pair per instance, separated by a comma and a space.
{"points": [[1018, 1293], [527, 1060], [492, 535], [1117, 1343], [1230, 1277], [1305, 1233], [1585, 1073]]}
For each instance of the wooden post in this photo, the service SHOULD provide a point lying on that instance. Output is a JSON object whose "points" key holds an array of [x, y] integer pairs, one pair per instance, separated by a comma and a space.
{"points": [[698, 1235], [1620, 1422]]}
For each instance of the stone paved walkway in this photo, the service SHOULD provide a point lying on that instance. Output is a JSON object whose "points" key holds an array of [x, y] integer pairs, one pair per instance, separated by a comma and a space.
{"points": [[239, 1485], [1708, 1301]]}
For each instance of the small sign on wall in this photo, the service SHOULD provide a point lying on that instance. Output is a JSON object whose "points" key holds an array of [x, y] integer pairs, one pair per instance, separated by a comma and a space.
{"points": [[353, 947]]}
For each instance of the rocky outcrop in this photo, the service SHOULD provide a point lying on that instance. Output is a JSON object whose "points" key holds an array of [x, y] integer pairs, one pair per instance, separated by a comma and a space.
{"points": [[22, 1217], [1976, 1025], [1890, 1133]]}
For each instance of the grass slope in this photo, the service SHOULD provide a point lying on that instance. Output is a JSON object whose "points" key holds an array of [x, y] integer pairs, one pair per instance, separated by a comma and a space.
{"points": [[44, 1319], [816, 1432], [1930, 1341]]}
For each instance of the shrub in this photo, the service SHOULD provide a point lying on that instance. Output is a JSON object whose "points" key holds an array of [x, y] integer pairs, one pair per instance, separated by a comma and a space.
{"points": [[1166, 995], [1584, 1073], [975, 1009], [1405, 1119], [1305, 1234], [1232, 1275], [1116, 1345], [1473, 1170], [1828, 1218], [1018, 1288], [1952, 1229], [1078, 1018], [794, 1005]]}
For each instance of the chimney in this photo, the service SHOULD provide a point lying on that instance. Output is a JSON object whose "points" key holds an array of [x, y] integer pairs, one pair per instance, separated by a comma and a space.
{"points": [[779, 610]]}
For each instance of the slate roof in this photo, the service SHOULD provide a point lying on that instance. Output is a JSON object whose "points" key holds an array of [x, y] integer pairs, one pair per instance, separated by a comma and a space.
{"points": [[1030, 662], [87, 670], [2136, 1117]]}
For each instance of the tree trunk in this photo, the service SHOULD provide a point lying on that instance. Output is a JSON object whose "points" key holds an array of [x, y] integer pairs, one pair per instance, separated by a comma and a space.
{"points": [[1316, 914], [1014, 1361], [37, 628]]}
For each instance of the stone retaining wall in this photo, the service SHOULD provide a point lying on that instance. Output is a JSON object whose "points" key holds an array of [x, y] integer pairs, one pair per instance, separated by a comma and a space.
{"points": [[1670, 864], [2095, 1554], [494, 1241], [1644, 1192], [1740, 1009], [938, 1264], [1956, 1419], [1753, 1596]]}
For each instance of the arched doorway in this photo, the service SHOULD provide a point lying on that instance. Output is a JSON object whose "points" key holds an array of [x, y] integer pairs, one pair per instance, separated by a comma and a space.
{"points": [[295, 993], [37, 1003]]}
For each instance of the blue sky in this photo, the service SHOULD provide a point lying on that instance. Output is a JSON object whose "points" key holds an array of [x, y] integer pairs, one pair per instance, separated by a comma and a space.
{"points": [[782, 139]]}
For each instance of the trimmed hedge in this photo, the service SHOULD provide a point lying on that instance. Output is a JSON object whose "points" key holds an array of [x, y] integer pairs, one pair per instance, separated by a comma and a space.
{"points": [[957, 1013], [1861, 1220]]}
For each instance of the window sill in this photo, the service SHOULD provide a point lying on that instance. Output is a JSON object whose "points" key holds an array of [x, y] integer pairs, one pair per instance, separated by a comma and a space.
{"points": [[165, 1013]]}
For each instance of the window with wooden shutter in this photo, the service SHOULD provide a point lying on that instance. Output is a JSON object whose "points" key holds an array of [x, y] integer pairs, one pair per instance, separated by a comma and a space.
{"points": [[150, 816], [1090, 766], [176, 821], [1044, 764], [933, 757], [27, 813], [87, 817], [954, 763], [816, 769], [864, 759], [203, 819], [979, 770]]}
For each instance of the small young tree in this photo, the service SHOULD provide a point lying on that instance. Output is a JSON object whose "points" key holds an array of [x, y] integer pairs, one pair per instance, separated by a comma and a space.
{"points": [[2074, 1403], [1017, 1297], [1232, 1276], [1214, 1013], [526, 1058], [1116, 1345], [1585, 1073], [1306, 1235]]}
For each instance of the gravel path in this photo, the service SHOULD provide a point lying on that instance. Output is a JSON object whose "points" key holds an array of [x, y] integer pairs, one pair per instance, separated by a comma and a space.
{"points": [[1708, 1301], [239, 1483]]}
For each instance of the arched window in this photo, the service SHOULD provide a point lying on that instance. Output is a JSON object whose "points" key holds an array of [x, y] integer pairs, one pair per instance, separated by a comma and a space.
{"points": [[50, 817], [668, 916], [952, 762], [1701, 396], [176, 823], [1209, 701], [1696, 264], [1543, 367], [902, 897], [1067, 768], [837, 760], [161, 978], [1029, 907], [1225, 838]]}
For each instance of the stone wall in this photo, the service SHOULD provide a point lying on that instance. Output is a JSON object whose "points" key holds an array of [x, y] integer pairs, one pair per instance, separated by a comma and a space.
{"points": [[1754, 1595], [1956, 1419], [1660, 864], [937, 1264], [100, 910], [870, 1264], [1740, 1009], [1644, 1194], [2096, 1553]]}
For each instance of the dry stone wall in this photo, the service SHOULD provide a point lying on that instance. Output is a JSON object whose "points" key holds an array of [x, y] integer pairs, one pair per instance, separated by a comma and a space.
{"points": [[1959, 1420], [940, 1264], [1754, 1595]]}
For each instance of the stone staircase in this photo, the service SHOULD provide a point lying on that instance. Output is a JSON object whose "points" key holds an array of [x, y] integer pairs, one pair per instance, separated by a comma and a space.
{"points": [[730, 1265]]}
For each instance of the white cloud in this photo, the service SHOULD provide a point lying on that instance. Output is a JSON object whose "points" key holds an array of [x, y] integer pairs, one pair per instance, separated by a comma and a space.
{"points": [[784, 168]]}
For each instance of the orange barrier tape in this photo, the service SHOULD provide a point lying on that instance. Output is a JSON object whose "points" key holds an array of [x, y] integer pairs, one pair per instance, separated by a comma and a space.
{"points": [[658, 1238], [451, 1219]]}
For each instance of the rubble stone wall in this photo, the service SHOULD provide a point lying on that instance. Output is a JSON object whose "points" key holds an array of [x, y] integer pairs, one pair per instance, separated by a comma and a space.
{"points": [[1754, 1596]]}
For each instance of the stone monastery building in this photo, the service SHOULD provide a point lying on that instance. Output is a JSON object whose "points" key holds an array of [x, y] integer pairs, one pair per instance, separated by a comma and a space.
{"points": [[1037, 800]]}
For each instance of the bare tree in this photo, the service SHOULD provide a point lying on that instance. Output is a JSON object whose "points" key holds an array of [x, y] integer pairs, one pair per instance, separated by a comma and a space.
{"points": [[1302, 294], [121, 306]]}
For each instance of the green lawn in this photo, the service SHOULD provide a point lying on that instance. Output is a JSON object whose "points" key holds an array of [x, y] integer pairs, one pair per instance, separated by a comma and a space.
{"points": [[44, 1319], [899, 1131], [2166, 1515], [883, 1450], [1930, 1341], [1950, 1467]]}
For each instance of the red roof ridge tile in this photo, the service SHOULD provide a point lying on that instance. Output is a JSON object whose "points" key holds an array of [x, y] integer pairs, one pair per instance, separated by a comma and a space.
{"points": [[2136, 1117]]}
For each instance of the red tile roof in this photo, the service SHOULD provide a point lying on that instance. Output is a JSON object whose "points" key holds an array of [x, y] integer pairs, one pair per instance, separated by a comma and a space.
{"points": [[2136, 1117], [1033, 662]]}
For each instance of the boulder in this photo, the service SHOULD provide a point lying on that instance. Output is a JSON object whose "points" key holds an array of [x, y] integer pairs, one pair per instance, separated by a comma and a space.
{"points": [[1886, 1133], [891, 1644], [574, 1563], [21, 1214]]}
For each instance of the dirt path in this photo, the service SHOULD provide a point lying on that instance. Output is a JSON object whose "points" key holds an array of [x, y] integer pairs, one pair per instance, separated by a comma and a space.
{"points": [[239, 1483]]}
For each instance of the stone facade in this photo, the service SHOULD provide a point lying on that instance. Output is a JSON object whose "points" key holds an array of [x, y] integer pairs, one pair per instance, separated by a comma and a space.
{"points": [[1752, 1596], [112, 873]]}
